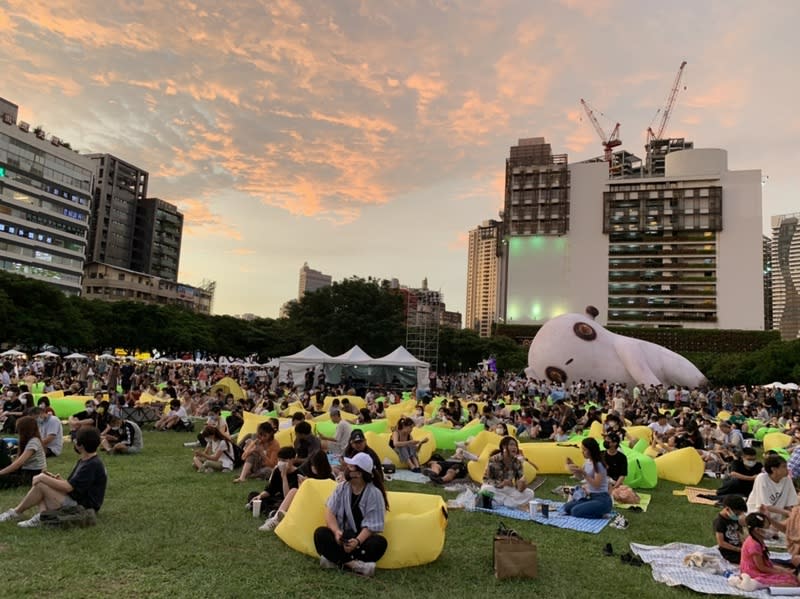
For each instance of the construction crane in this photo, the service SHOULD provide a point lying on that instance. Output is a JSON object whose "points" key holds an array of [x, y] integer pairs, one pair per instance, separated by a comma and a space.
{"points": [[673, 94], [609, 141]]}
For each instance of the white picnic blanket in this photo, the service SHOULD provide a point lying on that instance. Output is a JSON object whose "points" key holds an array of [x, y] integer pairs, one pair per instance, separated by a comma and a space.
{"points": [[666, 562]]}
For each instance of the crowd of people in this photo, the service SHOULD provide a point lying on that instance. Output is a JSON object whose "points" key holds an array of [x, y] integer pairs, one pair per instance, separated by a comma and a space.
{"points": [[758, 495]]}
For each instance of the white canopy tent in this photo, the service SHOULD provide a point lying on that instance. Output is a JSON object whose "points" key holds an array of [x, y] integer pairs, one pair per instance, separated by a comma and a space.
{"points": [[402, 360], [310, 357], [355, 364]]}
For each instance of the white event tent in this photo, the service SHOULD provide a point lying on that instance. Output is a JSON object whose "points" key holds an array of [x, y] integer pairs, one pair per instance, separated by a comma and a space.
{"points": [[399, 367]]}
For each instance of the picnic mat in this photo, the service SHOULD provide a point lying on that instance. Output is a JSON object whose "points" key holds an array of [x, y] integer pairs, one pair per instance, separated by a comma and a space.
{"points": [[692, 494], [557, 518], [667, 565], [644, 501], [410, 477]]}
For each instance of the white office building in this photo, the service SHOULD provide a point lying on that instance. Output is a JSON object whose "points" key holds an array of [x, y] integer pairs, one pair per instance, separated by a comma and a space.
{"points": [[682, 249], [45, 200]]}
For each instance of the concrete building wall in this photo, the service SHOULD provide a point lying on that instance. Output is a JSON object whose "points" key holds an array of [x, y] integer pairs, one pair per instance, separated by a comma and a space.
{"points": [[45, 203]]}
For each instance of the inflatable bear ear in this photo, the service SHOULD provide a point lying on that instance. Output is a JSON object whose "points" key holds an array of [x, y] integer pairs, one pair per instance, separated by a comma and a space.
{"points": [[592, 312]]}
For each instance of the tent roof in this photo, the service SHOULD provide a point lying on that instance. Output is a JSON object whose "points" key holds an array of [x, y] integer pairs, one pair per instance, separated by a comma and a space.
{"points": [[355, 355], [399, 357], [310, 354]]}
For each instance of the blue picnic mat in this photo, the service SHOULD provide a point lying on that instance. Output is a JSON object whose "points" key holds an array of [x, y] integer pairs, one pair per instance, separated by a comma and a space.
{"points": [[557, 518]]}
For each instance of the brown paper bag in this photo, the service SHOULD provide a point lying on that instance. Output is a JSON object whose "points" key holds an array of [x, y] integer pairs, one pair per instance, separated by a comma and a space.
{"points": [[514, 557]]}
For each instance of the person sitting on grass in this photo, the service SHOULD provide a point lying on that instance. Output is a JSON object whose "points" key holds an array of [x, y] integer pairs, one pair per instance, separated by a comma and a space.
{"points": [[504, 478], [317, 467], [85, 486], [594, 501], [728, 527], [217, 455], [122, 437], [260, 455], [176, 419], [741, 477], [305, 441], [50, 430], [86, 418], [404, 445], [355, 515], [755, 560], [30, 459], [284, 478], [772, 488], [336, 444]]}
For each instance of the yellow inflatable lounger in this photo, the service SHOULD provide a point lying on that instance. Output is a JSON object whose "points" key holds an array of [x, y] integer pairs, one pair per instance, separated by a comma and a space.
{"points": [[776, 441], [684, 466], [551, 458], [415, 524], [478, 469], [379, 442]]}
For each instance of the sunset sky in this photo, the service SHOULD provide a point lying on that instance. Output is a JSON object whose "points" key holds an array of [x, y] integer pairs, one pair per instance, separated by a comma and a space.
{"points": [[367, 138]]}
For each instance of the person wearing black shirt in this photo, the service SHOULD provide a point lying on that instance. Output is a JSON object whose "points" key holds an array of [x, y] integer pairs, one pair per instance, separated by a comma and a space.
{"points": [[741, 476], [12, 409], [85, 486], [283, 478], [728, 528], [616, 462]]}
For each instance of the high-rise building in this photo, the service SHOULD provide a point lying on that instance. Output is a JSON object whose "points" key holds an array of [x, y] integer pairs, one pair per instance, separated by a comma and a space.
{"points": [[312, 280], [45, 204], [119, 189], [786, 275], [766, 244], [157, 238], [482, 276], [645, 251]]}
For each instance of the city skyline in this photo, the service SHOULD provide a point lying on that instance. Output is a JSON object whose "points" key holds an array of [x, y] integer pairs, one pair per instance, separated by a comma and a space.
{"points": [[368, 140]]}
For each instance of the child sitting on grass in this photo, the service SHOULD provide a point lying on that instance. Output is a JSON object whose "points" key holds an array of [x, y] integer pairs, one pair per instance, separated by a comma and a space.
{"points": [[728, 527], [755, 557]]}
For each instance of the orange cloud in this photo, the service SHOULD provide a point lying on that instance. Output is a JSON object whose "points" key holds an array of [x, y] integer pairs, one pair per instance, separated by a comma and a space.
{"points": [[458, 244], [200, 221], [475, 119]]}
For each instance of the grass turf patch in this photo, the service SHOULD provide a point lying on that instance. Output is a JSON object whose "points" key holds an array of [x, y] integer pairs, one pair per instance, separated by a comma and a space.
{"points": [[167, 531]]}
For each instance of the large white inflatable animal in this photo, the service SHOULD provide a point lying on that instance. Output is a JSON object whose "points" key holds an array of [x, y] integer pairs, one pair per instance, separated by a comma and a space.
{"points": [[572, 347]]}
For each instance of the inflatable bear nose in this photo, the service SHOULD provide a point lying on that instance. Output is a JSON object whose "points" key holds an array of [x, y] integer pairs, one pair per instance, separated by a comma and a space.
{"points": [[555, 374]]}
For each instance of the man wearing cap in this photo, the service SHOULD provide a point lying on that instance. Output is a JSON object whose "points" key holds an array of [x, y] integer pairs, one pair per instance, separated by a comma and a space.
{"points": [[337, 444], [354, 518]]}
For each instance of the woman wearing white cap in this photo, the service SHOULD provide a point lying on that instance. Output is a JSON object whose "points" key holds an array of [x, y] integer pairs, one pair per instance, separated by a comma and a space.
{"points": [[354, 517]]}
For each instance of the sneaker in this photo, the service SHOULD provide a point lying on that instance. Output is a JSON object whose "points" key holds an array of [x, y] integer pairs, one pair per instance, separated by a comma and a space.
{"points": [[272, 522], [9, 515], [620, 522], [34, 522], [326, 564], [364, 568]]}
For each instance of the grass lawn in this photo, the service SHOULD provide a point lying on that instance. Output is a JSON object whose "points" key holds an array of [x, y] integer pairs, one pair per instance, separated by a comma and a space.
{"points": [[166, 531]]}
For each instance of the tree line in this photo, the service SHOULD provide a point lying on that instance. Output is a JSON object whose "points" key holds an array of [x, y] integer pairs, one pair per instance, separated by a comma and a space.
{"points": [[351, 312]]}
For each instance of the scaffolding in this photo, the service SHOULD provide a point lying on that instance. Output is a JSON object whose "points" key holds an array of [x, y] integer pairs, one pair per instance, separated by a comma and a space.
{"points": [[423, 317]]}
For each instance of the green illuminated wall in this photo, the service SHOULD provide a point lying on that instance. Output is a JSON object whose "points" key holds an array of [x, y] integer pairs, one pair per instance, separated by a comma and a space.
{"points": [[538, 279]]}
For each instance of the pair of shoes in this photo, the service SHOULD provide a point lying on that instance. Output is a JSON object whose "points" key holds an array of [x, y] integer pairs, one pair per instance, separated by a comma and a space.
{"points": [[34, 522], [620, 522], [635, 508], [631, 560], [608, 550], [327, 564], [364, 568], [415, 470], [9, 515]]}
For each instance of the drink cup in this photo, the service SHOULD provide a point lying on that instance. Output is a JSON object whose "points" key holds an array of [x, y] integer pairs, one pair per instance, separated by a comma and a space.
{"points": [[532, 507], [256, 508], [545, 510]]}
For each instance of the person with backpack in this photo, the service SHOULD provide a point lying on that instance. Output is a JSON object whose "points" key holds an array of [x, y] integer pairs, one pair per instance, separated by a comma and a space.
{"points": [[218, 454]]}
